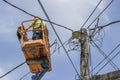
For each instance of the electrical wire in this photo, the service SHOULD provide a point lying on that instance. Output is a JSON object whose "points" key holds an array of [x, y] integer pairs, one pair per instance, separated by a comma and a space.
{"points": [[101, 13], [55, 47], [108, 62], [24, 76], [91, 13], [61, 25], [32, 16], [114, 22], [74, 45], [58, 37], [99, 37], [37, 16], [59, 47], [12, 70], [29, 72], [51, 54], [18, 8], [105, 58], [100, 27]]}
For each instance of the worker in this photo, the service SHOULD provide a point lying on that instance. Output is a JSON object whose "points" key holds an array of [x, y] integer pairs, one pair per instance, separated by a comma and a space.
{"points": [[37, 25], [37, 28]]}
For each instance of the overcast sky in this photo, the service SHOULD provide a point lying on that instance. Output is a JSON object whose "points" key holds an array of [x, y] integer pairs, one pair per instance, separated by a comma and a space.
{"points": [[70, 13]]}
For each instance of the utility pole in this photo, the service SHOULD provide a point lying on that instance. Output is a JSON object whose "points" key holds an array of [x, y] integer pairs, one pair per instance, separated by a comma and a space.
{"points": [[84, 60]]}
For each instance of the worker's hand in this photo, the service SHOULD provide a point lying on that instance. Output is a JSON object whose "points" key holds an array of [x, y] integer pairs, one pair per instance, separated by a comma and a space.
{"points": [[26, 29], [40, 28]]}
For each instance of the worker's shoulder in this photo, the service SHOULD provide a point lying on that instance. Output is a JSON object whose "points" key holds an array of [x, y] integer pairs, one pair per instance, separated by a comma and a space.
{"points": [[44, 24]]}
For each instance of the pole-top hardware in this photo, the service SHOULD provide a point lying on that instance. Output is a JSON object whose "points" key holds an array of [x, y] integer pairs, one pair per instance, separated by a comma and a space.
{"points": [[76, 35]]}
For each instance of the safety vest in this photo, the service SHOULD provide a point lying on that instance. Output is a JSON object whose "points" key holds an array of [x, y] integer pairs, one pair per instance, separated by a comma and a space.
{"points": [[37, 24]]}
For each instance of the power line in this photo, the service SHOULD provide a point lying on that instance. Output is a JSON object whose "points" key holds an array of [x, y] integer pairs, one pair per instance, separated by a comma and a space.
{"points": [[101, 13], [59, 46], [25, 62], [51, 54], [24, 75], [12, 69], [105, 58], [32, 16], [91, 13], [58, 36], [37, 16], [18, 8], [114, 22], [59, 25], [108, 62], [100, 27]]}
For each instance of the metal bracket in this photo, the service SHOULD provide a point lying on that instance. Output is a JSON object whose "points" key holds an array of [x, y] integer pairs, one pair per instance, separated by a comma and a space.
{"points": [[39, 75]]}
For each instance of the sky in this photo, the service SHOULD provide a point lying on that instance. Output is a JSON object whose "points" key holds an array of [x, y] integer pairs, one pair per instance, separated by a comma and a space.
{"points": [[70, 13]]}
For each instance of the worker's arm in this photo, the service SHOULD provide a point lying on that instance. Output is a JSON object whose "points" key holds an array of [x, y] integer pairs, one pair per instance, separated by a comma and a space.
{"points": [[30, 25]]}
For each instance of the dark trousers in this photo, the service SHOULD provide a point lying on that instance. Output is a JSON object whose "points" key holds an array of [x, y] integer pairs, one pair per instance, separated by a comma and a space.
{"points": [[37, 35]]}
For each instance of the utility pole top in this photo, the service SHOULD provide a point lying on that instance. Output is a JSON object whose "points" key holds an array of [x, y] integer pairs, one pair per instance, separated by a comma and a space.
{"points": [[84, 63], [76, 35]]}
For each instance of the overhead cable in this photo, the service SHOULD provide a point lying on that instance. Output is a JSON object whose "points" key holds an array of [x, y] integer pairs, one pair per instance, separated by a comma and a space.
{"points": [[108, 62], [36, 16], [18, 8], [114, 22], [100, 27], [12, 70], [24, 76], [91, 13], [105, 58], [51, 54], [101, 13], [58, 36]]}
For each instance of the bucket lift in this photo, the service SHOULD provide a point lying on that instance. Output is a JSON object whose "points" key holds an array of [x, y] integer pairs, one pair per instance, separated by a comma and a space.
{"points": [[36, 52]]}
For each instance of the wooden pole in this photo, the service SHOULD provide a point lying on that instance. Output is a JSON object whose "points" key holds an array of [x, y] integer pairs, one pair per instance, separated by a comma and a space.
{"points": [[84, 60], [84, 57]]}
